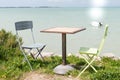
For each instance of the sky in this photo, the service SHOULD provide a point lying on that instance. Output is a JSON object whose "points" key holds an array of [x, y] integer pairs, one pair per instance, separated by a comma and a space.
{"points": [[60, 3]]}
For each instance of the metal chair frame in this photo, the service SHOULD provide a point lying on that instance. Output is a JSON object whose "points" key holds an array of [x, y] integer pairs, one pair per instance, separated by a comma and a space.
{"points": [[25, 25], [92, 53]]}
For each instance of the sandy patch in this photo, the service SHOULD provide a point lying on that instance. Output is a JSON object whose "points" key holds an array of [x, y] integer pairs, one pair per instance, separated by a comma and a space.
{"points": [[41, 76]]}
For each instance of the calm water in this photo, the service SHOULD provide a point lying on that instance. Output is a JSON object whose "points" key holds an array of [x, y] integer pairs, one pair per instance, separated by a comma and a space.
{"points": [[66, 17]]}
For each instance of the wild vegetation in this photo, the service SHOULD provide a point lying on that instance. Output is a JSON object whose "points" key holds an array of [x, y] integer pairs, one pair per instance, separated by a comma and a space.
{"points": [[12, 65]]}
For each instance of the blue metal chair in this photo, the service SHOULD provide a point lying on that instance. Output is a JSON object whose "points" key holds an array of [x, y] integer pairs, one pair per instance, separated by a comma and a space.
{"points": [[28, 25]]}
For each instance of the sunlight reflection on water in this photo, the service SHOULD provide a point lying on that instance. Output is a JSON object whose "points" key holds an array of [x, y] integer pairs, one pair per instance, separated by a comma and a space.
{"points": [[96, 13]]}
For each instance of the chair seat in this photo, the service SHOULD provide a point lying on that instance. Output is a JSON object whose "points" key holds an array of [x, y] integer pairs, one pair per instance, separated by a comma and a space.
{"points": [[36, 45], [86, 50]]}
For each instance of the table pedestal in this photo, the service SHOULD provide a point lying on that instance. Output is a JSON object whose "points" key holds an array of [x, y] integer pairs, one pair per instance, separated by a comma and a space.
{"points": [[64, 49], [62, 69]]}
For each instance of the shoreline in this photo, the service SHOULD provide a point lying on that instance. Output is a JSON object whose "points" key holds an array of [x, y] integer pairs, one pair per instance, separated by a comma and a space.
{"points": [[50, 54]]}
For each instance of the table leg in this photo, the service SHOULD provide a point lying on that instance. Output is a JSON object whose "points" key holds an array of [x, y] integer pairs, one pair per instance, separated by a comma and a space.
{"points": [[64, 49], [64, 67]]}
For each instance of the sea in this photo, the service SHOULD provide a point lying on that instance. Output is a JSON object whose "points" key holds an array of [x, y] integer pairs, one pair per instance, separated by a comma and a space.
{"points": [[44, 18]]}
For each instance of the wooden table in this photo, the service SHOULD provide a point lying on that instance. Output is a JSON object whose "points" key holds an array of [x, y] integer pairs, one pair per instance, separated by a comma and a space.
{"points": [[63, 68], [63, 31]]}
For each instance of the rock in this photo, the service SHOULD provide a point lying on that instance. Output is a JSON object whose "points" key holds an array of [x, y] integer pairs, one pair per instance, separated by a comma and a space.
{"points": [[108, 55], [47, 54]]}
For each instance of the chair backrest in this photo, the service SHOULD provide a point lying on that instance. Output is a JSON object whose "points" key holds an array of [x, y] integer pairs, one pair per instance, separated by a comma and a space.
{"points": [[24, 25], [103, 39]]}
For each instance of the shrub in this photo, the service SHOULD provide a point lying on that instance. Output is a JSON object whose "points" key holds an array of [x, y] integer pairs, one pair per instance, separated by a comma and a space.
{"points": [[8, 44], [10, 57], [110, 72], [106, 75]]}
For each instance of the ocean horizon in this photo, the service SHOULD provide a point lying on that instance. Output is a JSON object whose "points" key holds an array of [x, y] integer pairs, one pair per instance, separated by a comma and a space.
{"points": [[44, 18]]}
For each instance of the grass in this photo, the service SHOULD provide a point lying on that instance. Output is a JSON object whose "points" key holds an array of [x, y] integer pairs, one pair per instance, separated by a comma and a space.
{"points": [[14, 68]]}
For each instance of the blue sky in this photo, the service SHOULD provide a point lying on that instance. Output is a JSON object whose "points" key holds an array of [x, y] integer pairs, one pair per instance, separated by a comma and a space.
{"points": [[61, 3]]}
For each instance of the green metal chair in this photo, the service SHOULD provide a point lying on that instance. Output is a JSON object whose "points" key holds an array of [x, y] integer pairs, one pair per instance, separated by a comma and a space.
{"points": [[90, 54]]}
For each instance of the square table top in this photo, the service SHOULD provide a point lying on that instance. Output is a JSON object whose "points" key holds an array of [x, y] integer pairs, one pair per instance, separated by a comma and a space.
{"points": [[65, 30]]}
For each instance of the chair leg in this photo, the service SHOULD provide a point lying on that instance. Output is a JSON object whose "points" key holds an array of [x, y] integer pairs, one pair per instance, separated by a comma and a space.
{"points": [[31, 53], [83, 71], [39, 53], [27, 60], [93, 68], [89, 64]]}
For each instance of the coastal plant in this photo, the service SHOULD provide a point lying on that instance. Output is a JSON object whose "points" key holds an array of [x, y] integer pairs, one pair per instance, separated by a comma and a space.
{"points": [[111, 70], [8, 44], [106, 75], [9, 54], [7, 39]]}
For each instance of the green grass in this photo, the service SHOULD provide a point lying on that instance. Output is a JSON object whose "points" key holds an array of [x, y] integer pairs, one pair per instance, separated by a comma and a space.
{"points": [[14, 68]]}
